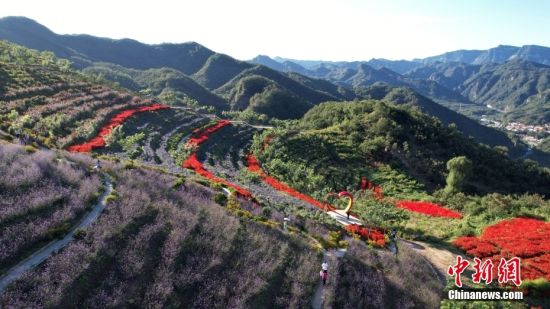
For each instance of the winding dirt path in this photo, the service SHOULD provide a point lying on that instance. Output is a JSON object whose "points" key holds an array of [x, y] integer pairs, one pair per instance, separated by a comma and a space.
{"points": [[45, 252], [438, 257]]}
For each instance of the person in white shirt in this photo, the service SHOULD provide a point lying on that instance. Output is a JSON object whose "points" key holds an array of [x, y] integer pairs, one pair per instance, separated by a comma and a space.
{"points": [[324, 272]]}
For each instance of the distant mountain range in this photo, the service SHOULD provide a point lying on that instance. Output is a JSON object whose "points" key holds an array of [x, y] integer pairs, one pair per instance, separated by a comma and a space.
{"points": [[513, 83], [499, 54], [286, 89]]}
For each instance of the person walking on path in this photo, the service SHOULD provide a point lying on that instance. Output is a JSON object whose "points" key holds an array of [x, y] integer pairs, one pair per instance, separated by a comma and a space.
{"points": [[393, 238], [324, 272], [324, 276], [97, 167]]}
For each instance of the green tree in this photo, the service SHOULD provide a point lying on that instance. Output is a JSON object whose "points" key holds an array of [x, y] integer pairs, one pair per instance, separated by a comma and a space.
{"points": [[459, 168], [380, 213]]}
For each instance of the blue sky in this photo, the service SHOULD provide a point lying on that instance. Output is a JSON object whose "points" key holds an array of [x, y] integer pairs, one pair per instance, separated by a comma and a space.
{"points": [[303, 29]]}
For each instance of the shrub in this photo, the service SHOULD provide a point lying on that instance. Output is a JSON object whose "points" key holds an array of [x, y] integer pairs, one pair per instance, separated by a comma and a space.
{"points": [[79, 234], [92, 200], [30, 149], [113, 196], [220, 198], [537, 286], [216, 186], [128, 165], [266, 211], [179, 182], [59, 231]]}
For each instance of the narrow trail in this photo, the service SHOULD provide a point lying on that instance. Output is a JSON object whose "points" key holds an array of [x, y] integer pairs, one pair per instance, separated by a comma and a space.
{"points": [[319, 295], [438, 259], [45, 252]]}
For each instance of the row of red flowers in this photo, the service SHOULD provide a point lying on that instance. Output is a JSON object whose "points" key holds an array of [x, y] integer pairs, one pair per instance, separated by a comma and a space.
{"points": [[254, 166], [371, 234], [427, 208], [522, 237], [199, 137], [118, 119], [193, 163]]}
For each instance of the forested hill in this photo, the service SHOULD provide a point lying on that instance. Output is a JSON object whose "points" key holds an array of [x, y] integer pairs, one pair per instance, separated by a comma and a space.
{"points": [[340, 142], [468, 127]]}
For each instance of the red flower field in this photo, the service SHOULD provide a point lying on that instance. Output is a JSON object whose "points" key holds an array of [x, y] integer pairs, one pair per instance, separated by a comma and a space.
{"points": [[118, 119], [254, 166], [526, 238], [370, 234], [428, 208]]}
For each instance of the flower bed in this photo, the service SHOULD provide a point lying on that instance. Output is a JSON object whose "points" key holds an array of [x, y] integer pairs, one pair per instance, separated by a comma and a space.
{"points": [[118, 119], [520, 237], [254, 166], [376, 236], [428, 208]]}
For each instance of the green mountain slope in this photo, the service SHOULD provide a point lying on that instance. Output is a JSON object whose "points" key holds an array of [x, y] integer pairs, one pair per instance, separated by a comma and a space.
{"points": [[510, 85], [340, 142], [218, 70], [276, 94], [467, 126], [512, 79], [161, 82]]}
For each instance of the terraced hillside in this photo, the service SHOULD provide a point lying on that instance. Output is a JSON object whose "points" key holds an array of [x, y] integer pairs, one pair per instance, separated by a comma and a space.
{"points": [[225, 153], [43, 101]]}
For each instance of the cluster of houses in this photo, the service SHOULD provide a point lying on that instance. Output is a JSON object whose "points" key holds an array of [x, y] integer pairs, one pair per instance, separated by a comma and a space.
{"points": [[530, 134]]}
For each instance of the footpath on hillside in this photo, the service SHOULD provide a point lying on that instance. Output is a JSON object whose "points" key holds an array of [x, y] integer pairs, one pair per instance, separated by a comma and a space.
{"points": [[45, 252]]}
